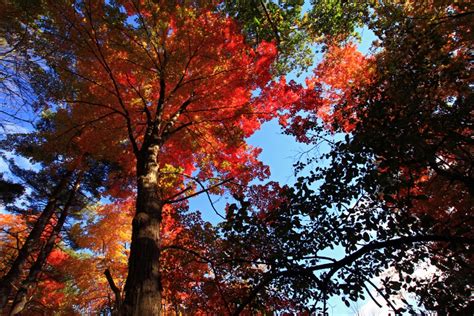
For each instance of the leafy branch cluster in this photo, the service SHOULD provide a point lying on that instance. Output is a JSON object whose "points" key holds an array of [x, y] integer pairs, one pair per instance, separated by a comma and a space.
{"points": [[116, 113]]}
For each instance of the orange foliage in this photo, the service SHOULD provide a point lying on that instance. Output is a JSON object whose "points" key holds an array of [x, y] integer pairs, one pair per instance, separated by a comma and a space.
{"points": [[14, 232], [331, 93], [337, 78]]}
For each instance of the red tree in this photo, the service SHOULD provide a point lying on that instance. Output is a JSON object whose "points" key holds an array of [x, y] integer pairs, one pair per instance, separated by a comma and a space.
{"points": [[166, 93]]}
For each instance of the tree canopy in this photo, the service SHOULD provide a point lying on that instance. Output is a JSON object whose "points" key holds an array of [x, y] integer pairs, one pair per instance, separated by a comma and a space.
{"points": [[136, 107]]}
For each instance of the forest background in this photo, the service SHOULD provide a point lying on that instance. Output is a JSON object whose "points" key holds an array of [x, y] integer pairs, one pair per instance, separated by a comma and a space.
{"points": [[121, 119]]}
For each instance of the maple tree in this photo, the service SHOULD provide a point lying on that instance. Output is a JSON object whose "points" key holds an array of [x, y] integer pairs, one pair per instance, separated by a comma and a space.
{"points": [[150, 104], [174, 86], [69, 280]]}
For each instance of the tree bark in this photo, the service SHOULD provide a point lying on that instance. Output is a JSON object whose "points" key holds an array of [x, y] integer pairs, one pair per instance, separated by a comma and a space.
{"points": [[143, 286], [31, 243], [21, 300], [118, 294]]}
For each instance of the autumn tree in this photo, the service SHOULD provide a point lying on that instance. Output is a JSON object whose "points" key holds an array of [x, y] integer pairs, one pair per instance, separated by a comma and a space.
{"points": [[405, 112], [428, 100], [400, 118], [61, 187], [374, 201], [32, 242], [164, 92]]}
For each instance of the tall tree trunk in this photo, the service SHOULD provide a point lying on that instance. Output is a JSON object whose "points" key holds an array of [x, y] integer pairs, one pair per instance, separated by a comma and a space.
{"points": [[32, 242], [143, 285], [20, 300]]}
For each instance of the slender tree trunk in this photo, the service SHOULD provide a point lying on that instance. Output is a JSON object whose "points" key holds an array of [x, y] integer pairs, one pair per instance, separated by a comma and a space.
{"points": [[143, 285], [31, 243], [117, 306], [20, 300]]}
